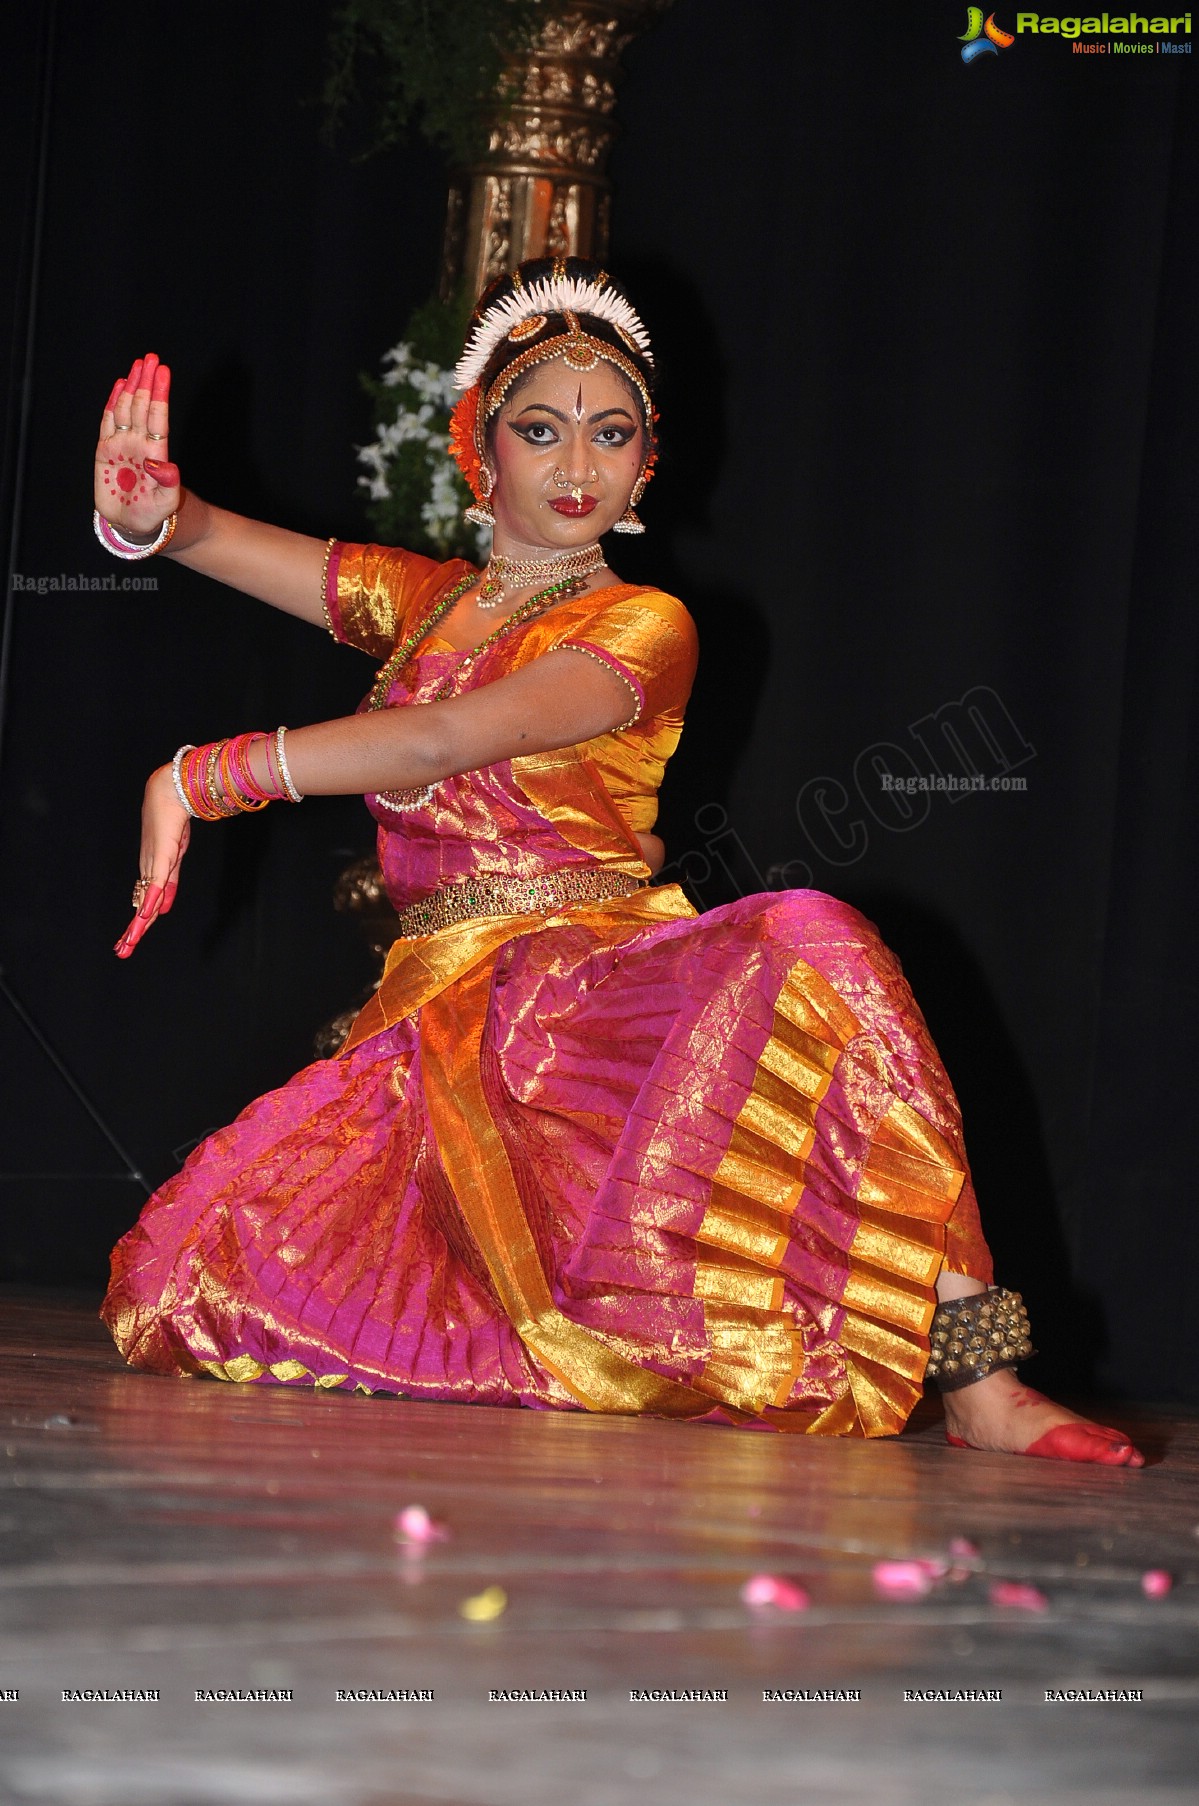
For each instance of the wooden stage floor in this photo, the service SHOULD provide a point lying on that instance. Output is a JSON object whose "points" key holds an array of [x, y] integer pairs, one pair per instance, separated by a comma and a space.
{"points": [[185, 1535]]}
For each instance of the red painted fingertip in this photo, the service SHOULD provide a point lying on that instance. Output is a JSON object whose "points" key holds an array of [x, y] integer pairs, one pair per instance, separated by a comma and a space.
{"points": [[162, 383], [168, 899], [131, 381], [164, 473], [149, 903]]}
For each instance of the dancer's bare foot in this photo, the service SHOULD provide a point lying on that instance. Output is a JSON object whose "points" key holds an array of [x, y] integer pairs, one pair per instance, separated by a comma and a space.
{"points": [[1003, 1414], [1000, 1413]]}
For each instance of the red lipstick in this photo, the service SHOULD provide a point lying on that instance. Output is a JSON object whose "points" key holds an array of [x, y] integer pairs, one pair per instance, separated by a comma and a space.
{"points": [[566, 504]]}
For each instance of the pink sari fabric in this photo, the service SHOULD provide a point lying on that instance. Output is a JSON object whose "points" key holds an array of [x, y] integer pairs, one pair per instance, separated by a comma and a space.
{"points": [[616, 1156]]}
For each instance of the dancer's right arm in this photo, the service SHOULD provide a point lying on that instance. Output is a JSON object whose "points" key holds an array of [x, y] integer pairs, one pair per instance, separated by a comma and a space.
{"points": [[137, 488]]}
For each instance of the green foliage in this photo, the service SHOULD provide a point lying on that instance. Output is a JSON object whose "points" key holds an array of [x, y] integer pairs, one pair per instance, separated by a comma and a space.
{"points": [[432, 65], [437, 329]]}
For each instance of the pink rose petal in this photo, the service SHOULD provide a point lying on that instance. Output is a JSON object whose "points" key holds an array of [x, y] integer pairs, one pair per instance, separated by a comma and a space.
{"points": [[962, 1550], [414, 1525], [1156, 1583], [902, 1579], [1015, 1593], [772, 1589]]}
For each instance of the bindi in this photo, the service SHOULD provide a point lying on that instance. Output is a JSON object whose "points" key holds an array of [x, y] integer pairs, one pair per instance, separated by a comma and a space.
{"points": [[579, 403]]}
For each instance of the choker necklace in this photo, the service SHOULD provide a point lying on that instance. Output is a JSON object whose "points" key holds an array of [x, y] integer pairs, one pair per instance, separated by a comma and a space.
{"points": [[519, 573]]}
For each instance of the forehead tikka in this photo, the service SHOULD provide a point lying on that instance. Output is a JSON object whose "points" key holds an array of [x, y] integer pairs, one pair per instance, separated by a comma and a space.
{"points": [[578, 350]]}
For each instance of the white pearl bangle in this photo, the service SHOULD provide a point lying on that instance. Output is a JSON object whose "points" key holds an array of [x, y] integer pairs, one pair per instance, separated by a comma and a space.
{"points": [[281, 761], [177, 779], [114, 542]]}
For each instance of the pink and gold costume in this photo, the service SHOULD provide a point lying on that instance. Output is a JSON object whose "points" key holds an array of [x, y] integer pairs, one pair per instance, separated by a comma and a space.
{"points": [[608, 1154]]}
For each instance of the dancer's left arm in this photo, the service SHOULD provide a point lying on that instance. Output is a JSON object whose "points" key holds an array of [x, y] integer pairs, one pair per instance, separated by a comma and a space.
{"points": [[561, 699]]}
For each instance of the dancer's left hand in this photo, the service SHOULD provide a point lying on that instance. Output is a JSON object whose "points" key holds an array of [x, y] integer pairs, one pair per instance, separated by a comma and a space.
{"points": [[166, 830]]}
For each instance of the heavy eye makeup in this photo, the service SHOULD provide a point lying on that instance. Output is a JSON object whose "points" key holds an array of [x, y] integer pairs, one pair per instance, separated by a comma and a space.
{"points": [[612, 437], [534, 432]]}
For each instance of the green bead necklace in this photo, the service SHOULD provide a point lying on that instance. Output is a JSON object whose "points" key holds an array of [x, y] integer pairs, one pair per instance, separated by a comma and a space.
{"points": [[399, 658]]}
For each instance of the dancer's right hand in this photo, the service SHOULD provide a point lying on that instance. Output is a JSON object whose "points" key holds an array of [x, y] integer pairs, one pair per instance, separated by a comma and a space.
{"points": [[137, 487]]}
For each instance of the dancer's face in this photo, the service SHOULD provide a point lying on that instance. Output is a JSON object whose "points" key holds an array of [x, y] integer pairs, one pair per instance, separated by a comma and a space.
{"points": [[566, 450]]}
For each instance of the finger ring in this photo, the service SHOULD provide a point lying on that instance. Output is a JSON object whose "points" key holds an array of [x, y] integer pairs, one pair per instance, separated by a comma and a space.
{"points": [[139, 891], [122, 429], [155, 435]]}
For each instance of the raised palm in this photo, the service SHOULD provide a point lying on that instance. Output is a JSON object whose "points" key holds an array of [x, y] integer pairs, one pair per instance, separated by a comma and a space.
{"points": [[133, 430]]}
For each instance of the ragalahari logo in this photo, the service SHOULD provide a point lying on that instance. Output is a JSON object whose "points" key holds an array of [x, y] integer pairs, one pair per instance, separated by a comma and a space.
{"points": [[983, 37]]}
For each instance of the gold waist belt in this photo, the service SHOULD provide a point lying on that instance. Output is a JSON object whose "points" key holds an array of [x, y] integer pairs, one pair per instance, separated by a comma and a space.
{"points": [[501, 896]]}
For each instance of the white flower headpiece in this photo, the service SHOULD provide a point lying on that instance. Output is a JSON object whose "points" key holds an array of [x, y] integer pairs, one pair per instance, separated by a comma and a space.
{"points": [[549, 295]]}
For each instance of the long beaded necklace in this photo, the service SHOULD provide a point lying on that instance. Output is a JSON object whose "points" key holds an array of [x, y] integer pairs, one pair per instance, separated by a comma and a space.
{"points": [[399, 658], [400, 800], [520, 572]]}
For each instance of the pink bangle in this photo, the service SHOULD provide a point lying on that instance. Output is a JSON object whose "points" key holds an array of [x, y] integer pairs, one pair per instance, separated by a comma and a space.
{"points": [[217, 780], [237, 780], [112, 540]]}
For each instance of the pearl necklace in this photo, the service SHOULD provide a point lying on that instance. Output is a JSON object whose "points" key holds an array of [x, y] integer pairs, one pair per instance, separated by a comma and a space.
{"points": [[519, 573]]}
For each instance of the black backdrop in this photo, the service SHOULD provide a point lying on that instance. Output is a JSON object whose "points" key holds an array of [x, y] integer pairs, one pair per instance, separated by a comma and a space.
{"points": [[928, 482]]}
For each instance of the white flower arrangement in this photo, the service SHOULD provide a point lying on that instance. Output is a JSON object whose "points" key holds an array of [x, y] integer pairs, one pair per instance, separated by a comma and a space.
{"points": [[409, 464]]}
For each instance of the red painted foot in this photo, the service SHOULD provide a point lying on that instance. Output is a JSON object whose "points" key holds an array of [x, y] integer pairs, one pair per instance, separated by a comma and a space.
{"points": [[1087, 1442], [1077, 1442]]}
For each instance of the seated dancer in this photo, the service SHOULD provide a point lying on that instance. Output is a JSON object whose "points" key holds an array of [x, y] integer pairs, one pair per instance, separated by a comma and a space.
{"points": [[584, 1148]]}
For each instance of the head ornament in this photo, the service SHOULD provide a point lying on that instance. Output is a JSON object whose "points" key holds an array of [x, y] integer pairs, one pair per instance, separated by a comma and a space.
{"points": [[520, 318], [549, 295]]}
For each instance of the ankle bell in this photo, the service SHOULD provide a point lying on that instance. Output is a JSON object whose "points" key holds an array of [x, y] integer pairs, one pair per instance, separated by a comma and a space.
{"points": [[973, 1336]]}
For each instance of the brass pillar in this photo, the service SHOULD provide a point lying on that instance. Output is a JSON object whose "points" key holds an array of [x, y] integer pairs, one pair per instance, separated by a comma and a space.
{"points": [[541, 187]]}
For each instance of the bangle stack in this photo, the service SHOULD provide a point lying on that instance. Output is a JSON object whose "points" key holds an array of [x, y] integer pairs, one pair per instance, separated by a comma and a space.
{"points": [[215, 781], [120, 547]]}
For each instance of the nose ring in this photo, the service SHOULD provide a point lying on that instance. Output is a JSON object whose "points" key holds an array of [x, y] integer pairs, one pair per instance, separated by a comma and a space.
{"points": [[576, 489]]}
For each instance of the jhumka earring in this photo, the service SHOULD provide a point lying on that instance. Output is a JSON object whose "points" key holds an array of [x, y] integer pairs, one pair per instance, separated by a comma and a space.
{"points": [[628, 522], [480, 512]]}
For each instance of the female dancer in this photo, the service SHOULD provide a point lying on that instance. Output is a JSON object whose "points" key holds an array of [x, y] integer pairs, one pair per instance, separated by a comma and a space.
{"points": [[583, 1148]]}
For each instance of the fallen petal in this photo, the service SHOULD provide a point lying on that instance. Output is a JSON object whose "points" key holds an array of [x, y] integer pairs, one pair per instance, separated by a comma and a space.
{"points": [[902, 1579], [1015, 1593], [482, 1607], [1156, 1583], [414, 1525], [772, 1589]]}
